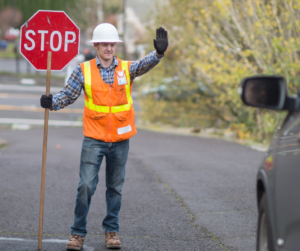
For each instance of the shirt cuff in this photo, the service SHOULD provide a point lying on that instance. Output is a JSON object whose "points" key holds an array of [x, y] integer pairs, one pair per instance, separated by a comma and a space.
{"points": [[157, 58], [54, 107]]}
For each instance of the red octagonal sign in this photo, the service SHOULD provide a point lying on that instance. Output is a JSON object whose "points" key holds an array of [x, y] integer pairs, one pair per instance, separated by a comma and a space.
{"points": [[49, 31]]}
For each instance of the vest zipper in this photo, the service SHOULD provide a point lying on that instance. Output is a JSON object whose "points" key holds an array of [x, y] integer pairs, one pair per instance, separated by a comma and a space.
{"points": [[109, 124]]}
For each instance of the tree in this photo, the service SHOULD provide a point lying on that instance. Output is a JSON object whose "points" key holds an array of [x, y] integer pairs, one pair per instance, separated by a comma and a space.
{"points": [[93, 13], [29, 7], [9, 17], [219, 42]]}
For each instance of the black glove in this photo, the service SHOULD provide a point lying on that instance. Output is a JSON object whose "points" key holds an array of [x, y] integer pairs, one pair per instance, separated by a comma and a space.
{"points": [[161, 42], [46, 101]]}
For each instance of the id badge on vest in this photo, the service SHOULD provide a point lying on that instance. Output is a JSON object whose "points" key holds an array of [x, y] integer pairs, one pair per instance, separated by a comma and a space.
{"points": [[121, 78]]}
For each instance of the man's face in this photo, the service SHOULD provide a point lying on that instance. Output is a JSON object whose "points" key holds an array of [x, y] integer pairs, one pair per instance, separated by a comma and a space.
{"points": [[262, 95], [105, 51], [256, 93]]}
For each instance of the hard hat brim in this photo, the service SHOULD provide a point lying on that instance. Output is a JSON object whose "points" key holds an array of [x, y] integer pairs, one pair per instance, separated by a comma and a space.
{"points": [[105, 41]]}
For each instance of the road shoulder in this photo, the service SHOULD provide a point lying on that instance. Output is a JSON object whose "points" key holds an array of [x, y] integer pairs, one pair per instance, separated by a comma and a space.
{"points": [[209, 133]]}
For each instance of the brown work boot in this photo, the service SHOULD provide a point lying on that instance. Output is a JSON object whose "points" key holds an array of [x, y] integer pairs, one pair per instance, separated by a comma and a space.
{"points": [[75, 242], [112, 240]]}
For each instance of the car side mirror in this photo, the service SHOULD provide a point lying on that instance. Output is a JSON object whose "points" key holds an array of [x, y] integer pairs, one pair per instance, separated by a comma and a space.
{"points": [[267, 92]]}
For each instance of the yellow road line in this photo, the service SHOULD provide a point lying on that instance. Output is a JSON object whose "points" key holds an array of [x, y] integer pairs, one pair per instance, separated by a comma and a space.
{"points": [[37, 109], [24, 96], [18, 95]]}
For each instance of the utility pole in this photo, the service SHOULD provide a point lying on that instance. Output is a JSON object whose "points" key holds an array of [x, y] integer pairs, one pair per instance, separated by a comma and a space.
{"points": [[100, 11], [124, 31], [14, 13], [16, 46]]}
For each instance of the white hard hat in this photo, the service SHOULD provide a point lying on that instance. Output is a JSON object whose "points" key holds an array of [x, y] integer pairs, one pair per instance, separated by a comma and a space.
{"points": [[105, 33]]}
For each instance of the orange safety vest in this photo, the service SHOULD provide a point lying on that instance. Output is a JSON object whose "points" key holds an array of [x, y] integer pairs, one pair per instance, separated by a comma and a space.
{"points": [[108, 111]]}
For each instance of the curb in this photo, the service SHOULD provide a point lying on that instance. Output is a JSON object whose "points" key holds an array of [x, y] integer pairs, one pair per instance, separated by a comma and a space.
{"points": [[256, 147]]}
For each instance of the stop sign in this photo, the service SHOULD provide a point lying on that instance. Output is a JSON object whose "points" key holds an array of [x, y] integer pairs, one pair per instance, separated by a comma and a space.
{"points": [[49, 31]]}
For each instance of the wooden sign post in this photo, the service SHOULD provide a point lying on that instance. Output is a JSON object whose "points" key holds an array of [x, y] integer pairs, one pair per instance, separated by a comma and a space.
{"points": [[49, 40], [44, 153]]}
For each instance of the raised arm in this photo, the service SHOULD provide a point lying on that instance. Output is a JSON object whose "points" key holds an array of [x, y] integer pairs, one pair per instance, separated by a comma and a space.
{"points": [[141, 66]]}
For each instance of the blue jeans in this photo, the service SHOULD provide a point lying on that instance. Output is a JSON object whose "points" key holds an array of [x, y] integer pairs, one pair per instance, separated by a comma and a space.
{"points": [[91, 158]]}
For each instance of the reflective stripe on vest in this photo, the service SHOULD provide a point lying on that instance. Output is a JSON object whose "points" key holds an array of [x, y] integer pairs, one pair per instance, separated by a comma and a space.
{"points": [[88, 89]]}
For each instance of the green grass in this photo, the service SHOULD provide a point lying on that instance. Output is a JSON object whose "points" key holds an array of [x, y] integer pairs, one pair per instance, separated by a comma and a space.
{"points": [[9, 52], [4, 145]]}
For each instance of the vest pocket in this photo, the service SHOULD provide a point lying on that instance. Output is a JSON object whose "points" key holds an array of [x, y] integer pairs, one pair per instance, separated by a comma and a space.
{"points": [[122, 116], [119, 96], [93, 114], [100, 96]]}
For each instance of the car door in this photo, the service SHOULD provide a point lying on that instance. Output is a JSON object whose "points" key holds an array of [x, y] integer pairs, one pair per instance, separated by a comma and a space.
{"points": [[287, 184]]}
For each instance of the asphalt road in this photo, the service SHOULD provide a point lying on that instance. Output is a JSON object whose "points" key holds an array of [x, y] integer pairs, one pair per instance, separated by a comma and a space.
{"points": [[180, 193]]}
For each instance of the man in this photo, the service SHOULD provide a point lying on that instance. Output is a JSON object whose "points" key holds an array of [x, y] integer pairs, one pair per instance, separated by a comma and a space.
{"points": [[257, 93], [108, 123]]}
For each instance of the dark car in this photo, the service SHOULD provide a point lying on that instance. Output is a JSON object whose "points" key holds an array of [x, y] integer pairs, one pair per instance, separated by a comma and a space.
{"points": [[278, 177], [89, 54]]}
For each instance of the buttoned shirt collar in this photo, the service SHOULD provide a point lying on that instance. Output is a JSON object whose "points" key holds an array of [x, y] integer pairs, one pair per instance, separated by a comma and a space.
{"points": [[113, 65]]}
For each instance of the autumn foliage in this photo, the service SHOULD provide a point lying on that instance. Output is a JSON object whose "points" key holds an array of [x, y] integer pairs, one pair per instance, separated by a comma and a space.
{"points": [[217, 43]]}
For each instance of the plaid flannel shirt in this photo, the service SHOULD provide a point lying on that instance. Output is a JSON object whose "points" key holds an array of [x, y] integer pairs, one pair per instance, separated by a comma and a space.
{"points": [[75, 83]]}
